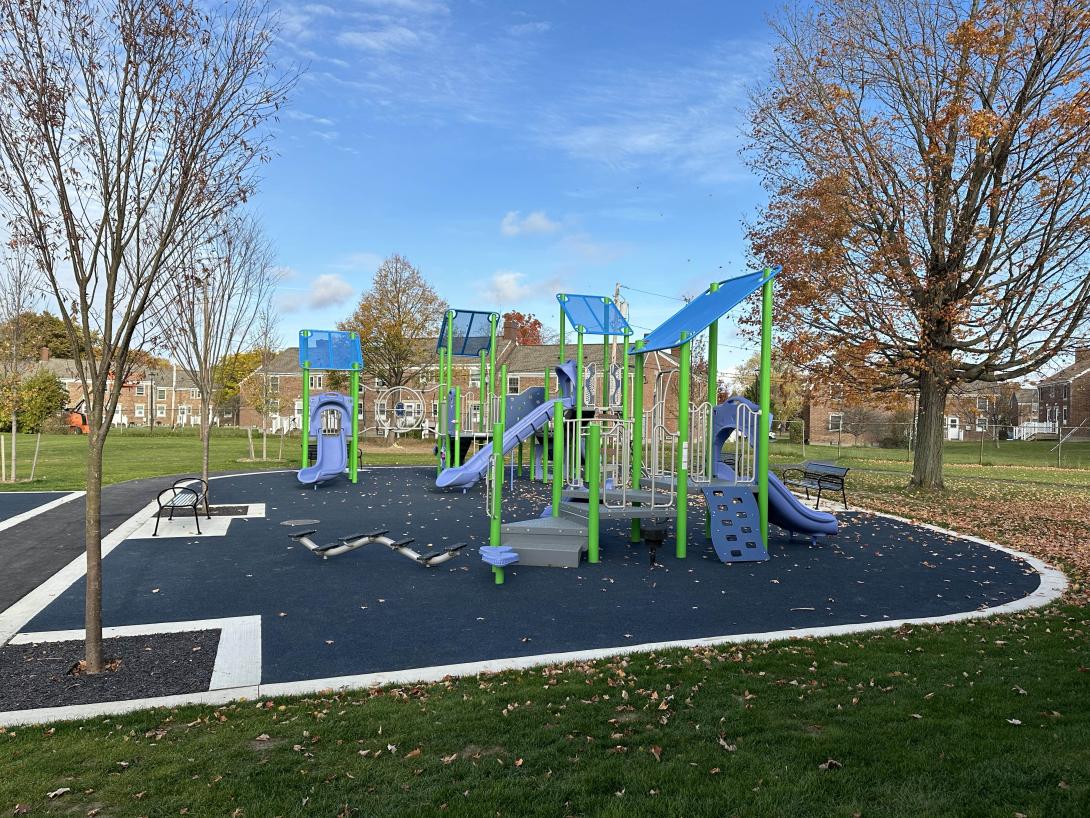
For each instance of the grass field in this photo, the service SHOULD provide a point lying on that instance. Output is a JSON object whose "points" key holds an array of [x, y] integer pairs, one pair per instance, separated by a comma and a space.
{"points": [[134, 454]]}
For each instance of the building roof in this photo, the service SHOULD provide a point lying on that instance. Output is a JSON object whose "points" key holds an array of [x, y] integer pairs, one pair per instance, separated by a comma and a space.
{"points": [[65, 369], [1067, 374]]}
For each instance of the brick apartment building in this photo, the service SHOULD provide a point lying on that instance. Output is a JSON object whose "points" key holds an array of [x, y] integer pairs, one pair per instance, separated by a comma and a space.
{"points": [[526, 368], [159, 396], [1064, 398], [972, 411]]}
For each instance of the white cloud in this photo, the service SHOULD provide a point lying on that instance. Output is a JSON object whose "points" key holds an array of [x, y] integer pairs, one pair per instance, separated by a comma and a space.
{"points": [[362, 261], [507, 287], [536, 27], [534, 223], [389, 38], [328, 290]]}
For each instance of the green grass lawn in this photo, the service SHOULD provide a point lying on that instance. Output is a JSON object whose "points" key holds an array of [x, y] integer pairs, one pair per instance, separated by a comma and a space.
{"points": [[134, 454], [983, 719]]}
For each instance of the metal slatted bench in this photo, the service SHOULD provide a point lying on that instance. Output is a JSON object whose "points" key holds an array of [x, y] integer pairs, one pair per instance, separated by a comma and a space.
{"points": [[817, 476], [183, 494]]}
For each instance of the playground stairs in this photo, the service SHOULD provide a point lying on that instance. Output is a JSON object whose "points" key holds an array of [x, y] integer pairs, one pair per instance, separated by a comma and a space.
{"points": [[735, 523], [552, 542]]}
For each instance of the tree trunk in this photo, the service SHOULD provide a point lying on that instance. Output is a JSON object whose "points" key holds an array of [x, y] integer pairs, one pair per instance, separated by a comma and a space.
{"points": [[93, 543], [206, 441], [930, 432]]}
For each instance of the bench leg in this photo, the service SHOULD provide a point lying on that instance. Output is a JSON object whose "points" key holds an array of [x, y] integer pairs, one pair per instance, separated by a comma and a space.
{"points": [[844, 497], [197, 519], [158, 516], [817, 502]]}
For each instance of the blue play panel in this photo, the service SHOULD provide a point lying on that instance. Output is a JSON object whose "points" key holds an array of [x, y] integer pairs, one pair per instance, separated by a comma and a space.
{"points": [[373, 610], [14, 503]]}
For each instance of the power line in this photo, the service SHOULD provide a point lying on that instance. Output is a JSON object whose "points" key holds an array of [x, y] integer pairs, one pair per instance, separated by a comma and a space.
{"points": [[648, 292]]}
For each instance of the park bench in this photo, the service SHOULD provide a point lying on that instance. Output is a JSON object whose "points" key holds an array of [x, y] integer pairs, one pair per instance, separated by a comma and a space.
{"points": [[815, 476], [183, 494]]}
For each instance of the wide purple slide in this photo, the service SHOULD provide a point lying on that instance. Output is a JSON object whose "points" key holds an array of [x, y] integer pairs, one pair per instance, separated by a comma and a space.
{"points": [[332, 456], [784, 508]]}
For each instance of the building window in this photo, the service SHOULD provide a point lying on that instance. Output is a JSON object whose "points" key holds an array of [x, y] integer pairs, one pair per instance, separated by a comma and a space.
{"points": [[138, 410], [952, 422], [475, 378], [140, 390], [380, 383], [981, 424], [836, 393], [380, 409], [435, 408], [194, 393], [299, 407], [836, 421], [161, 393], [274, 383], [982, 404], [475, 412], [317, 382], [160, 411], [513, 385], [1065, 415], [183, 410]]}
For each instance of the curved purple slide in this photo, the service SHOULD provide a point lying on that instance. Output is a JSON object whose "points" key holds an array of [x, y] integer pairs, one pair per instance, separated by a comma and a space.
{"points": [[784, 508], [332, 456]]}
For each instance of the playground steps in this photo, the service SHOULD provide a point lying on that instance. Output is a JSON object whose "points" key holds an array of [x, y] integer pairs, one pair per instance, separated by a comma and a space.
{"points": [[735, 523], [552, 542], [579, 511]]}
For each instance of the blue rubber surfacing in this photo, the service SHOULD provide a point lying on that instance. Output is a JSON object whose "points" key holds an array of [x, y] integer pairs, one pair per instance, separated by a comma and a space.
{"points": [[14, 503], [372, 610]]}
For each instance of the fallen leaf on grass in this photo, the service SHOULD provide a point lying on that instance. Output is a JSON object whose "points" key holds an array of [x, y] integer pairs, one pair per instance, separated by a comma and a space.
{"points": [[656, 751], [262, 737], [59, 793], [1015, 722], [413, 753], [449, 759], [21, 809], [830, 764]]}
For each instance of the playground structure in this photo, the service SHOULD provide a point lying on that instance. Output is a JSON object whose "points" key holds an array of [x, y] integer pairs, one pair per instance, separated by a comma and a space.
{"points": [[612, 459], [334, 416]]}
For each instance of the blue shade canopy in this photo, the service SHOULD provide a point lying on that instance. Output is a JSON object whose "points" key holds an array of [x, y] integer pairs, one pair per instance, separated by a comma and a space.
{"points": [[704, 310], [328, 349], [597, 314], [472, 333]]}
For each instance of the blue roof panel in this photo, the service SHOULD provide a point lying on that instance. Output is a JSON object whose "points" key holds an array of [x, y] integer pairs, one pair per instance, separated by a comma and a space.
{"points": [[704, 310], [472, 333], [597, 314]]}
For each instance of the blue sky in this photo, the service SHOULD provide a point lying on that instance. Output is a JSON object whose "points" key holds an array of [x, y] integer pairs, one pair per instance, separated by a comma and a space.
{"points": [[514, 150]]}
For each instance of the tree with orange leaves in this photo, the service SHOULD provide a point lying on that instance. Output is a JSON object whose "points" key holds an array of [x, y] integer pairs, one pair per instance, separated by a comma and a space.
{"points": [[928, 165], [529, 330]]}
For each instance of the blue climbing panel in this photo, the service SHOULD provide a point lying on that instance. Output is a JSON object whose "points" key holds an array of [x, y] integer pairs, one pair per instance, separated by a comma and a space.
{"points": [[735, 523]]}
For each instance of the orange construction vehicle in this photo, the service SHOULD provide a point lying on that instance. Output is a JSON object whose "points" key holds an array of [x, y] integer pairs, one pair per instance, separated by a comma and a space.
{"points": [[77, 420]]}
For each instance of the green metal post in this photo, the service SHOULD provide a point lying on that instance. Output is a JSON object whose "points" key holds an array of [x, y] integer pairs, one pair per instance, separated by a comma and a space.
{"points": [[563, 329], [558, 455], [304, 421], [764, 421], [713, 399], [480, 405], [452, 444], [457, 426], [354, 455], [637, 432], [492, 320], [594, 474], [683, 445], [497, 486], [503, 397]]}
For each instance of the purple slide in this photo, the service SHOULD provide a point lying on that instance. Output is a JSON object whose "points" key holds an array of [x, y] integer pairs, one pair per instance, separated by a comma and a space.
{"points": [[784, 508], [473, 469], [332, 456]]}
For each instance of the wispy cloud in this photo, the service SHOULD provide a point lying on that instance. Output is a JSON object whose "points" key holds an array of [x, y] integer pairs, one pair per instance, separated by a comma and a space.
{"points": [[514, 224], [386, 38], [535, 27], [362, 261], [673, 116], [512, 287]]}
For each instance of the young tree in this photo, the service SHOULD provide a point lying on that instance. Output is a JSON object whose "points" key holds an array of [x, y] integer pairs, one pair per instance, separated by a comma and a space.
{"points": [[529, 331], [124, 125], [259, 389], [19, 292], [208, 311], [928, 163], [41, 395], [230, 373], [394, 319]]}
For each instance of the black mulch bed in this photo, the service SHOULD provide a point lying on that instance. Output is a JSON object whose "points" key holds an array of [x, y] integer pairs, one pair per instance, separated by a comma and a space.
{"points": [[162, 664]]}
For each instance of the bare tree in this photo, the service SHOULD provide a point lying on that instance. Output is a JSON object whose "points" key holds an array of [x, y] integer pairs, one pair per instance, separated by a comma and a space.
{"points": [[208, 311], [124, 125], [20, 290], [929, 169], [259, 389]]}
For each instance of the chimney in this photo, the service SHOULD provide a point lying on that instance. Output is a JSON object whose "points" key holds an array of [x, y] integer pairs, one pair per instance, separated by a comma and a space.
{"points": [[1082, 354], [511, 331], [43, 354]]}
